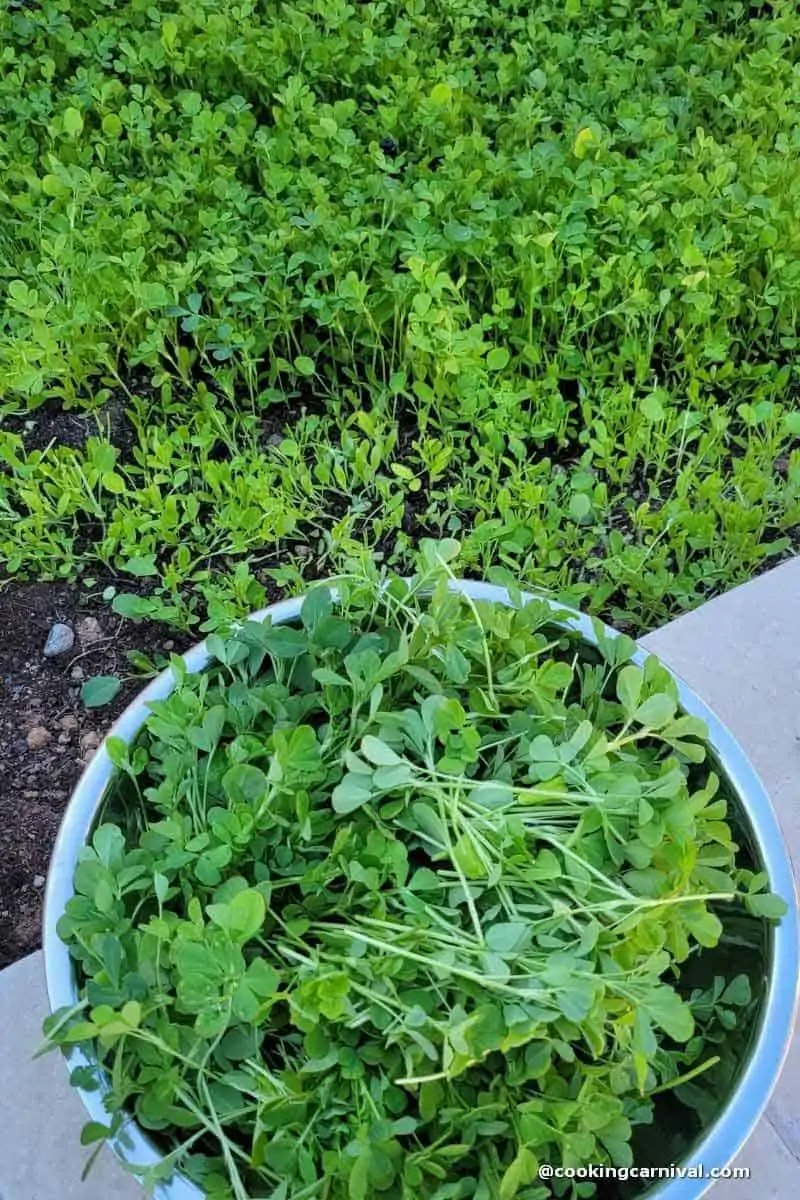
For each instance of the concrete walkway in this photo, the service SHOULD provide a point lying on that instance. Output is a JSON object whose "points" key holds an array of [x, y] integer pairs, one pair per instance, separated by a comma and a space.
{"points": [[740, 653]]}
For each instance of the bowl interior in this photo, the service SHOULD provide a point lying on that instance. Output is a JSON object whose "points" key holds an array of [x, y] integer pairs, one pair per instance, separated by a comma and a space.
{"points": [[752, 1057]]}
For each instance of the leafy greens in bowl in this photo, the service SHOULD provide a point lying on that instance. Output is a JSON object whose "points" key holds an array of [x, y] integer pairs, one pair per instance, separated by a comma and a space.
{"points": [[408, 898]]}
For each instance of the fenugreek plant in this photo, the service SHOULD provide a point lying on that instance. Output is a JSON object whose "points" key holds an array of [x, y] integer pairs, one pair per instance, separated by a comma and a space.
{"points": [[399, 901]]}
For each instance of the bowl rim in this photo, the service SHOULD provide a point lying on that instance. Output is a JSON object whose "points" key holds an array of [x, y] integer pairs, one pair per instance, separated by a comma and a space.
{"points": [[716, 1147]]}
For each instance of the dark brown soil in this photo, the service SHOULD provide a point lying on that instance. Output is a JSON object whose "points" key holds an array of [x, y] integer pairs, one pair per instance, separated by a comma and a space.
{"points": [[53, 426], [38, 693]]}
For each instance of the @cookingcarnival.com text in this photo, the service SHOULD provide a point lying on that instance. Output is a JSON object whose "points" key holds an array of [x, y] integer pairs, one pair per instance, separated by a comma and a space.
{"points": [[623, 1174]]}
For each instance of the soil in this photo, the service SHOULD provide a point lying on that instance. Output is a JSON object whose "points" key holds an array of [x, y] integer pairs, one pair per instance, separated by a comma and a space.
{"points": [[38, 770], [51, 425]]}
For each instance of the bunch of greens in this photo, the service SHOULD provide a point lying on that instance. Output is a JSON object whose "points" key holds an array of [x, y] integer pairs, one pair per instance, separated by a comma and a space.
{"points": [[526, 275], [405, 899]]}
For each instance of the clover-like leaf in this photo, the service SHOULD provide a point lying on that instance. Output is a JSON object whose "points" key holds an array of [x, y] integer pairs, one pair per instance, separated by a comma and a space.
{"points": [[100, 690]]}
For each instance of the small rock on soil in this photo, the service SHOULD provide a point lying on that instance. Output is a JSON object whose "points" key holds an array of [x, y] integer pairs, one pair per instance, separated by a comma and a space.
{"points": [[90, 631], [38, 737], [60, 639]]}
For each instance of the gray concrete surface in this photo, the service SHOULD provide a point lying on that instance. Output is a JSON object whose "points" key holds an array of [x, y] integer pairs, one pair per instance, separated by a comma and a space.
{"points": [[41, 1157], [740, 652]]}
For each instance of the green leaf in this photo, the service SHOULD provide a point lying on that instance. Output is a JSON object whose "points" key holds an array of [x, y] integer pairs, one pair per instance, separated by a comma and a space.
{"points": [[353, 792], [492, 794], [518, 1174], [767, 904], [686, 726], [585, 139], [242, 917], [507, 937], [441, 94], [456, 665], [283, 641], [434, 552], [428, 821], [109, 844], [72, 122], [316, 607], [580, 506], [81, 1031], [207, 871], [424, 880], [667, 1010], [93, 1131], [131, 1013], [245, 1004], [738, 992], [545, 866], [103, 897], [100, 690], [656, 711], [497, 358], [113, 483], [359, 1182], [378, 753], [387, 779], [245, 784], [651, 407], [467, 859], [112, 126], [704, 926], [629, 687], [330, 678], [576, 999], [262, 978], [142, 565], [127, 604], [304, 365], [644, 1045]]}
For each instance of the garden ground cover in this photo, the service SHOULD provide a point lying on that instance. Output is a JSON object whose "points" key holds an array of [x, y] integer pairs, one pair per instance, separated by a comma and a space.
{"points": [[285, 286]]}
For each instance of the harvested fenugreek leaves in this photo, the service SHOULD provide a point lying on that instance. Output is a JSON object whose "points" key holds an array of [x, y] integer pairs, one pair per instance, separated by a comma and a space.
{"points": [[396, 901]]}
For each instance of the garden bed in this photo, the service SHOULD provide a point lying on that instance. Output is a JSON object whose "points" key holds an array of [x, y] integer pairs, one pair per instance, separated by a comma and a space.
{"points": [[47, 734], [287, 291]]}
